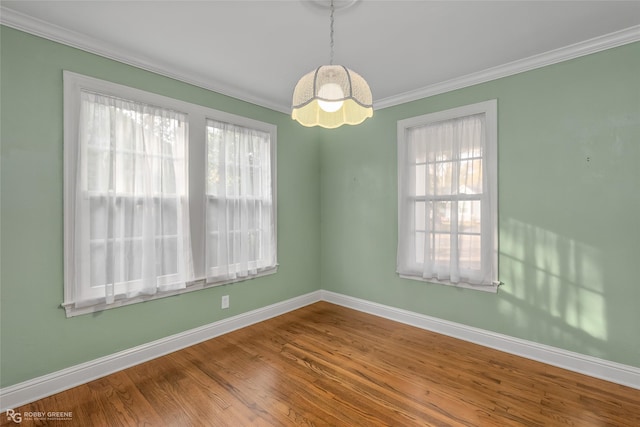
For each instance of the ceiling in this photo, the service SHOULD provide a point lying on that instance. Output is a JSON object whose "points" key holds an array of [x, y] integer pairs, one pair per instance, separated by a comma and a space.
{"points": [[257, 50]]}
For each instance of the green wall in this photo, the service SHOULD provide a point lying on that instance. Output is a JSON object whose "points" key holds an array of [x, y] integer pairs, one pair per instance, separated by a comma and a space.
{"points": [[569, 208], [569, 150], [36, 337]]}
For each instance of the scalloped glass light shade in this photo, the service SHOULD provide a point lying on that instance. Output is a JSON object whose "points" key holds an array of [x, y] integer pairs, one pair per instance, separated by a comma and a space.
{"points": [[331, 96]]}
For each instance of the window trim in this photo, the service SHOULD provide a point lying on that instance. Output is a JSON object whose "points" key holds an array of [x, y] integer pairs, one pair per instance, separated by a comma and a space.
{"points": [[489, 108], [197, 116]]}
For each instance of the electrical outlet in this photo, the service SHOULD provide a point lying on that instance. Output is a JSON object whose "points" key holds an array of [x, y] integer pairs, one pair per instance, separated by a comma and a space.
{"points": [[225, 301]]}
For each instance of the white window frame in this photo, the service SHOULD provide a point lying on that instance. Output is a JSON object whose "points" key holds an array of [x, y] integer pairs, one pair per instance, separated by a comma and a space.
{"points": [[197, 116], [406, 266]]}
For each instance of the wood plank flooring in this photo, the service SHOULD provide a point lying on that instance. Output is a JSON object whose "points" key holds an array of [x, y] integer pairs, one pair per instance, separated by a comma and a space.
{"points": [[328, 365]]}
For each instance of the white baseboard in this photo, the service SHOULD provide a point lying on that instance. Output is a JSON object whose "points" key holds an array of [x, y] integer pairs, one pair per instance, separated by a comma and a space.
{"points": [[576, 362], [46, 385]]}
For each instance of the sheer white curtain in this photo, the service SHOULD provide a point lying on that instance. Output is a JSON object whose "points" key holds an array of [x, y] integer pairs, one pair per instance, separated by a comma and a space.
{"points": [[445, 208], [240, 219], [131, 226]]}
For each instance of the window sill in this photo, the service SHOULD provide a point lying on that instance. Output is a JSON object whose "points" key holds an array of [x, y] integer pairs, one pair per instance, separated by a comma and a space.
{"points": [[71, 310], [493, 288]]}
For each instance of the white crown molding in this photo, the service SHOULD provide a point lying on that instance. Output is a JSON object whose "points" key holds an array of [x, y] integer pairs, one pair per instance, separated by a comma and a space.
{"points": [[37, 27], [587, 47], [58, 34], [46, 385], [576, 362]]}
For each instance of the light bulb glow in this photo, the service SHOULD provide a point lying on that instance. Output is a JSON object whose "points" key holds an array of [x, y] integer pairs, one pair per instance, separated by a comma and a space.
{"points": [[330, 91]]}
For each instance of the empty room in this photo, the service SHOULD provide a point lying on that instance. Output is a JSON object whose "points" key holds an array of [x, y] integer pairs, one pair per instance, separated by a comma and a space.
{"points": [[320, 213]]}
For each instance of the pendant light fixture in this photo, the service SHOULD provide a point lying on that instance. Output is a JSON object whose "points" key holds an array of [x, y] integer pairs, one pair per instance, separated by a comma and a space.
{"points": [[331, 95]]}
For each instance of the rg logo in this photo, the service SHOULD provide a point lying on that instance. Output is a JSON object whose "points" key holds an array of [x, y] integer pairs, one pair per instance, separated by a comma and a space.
{"points": [[14, 416]]}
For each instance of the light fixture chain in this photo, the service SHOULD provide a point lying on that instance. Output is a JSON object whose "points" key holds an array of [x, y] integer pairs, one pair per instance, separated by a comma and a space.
{"points": [[331, 57]]}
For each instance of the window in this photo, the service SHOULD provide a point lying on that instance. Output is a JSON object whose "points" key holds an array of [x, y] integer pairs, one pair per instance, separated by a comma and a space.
{"points": [[139, 200], [239, 206], [447, 197], [131, 183]]}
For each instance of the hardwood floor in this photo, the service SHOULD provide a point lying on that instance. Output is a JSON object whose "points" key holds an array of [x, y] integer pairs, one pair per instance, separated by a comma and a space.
{"points": [[328, 365]]}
